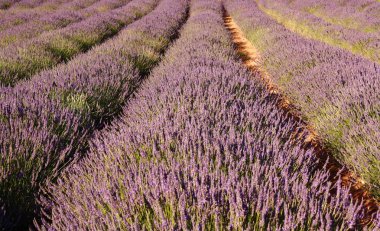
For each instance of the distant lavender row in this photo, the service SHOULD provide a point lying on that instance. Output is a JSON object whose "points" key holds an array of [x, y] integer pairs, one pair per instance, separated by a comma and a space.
{"points": [[9, 5], [336, 91], [201, 147], [19, 62], [302, 17], [363, 15], [45, 120], [62, 18], [29, 3], [15, 17]]}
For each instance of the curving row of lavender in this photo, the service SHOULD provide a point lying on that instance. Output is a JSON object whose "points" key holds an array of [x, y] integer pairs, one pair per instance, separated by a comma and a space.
{"points": [[201, 147], [15, 17], [21, 61], [43, 122], [62, 18], [364, 41], [336, 91]]}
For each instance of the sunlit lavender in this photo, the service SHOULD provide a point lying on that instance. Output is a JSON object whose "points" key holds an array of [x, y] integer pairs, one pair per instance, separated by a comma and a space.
{"points": [[144, 115], [202, 147]]}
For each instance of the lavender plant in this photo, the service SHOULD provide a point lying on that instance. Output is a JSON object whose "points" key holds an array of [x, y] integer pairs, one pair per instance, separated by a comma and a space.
{"points": [[45, 120], [336, 91], [203, 146]]}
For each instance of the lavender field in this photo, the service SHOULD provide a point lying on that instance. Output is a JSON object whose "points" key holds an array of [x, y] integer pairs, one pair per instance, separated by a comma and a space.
{"points": [[189, 115]]}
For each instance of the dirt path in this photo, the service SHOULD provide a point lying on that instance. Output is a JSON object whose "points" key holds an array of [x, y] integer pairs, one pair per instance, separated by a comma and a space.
{"points": [[307, 134]]}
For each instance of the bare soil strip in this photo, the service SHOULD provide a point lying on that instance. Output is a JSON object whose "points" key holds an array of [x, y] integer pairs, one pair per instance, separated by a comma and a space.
{"points": [[307, 134]]}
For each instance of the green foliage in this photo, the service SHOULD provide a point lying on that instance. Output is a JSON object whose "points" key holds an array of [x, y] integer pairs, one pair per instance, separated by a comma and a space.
{"points": [[103, 207], [5, 5], [170, 212], [258, 36], [7, 40], [145, 60], [19, 184], [30, 60], [63, 48], [76, 101], [145, 216]]}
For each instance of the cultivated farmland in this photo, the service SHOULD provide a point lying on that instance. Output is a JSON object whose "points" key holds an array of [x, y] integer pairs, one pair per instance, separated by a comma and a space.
{"points": [[189, 115]]}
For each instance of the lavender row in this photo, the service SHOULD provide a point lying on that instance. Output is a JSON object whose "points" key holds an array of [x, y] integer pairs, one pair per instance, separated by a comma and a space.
{"points": [[45, 120], [19, 34], [358, 15], [19, 62], [10, 5], [201, 147], [361, 15], [28, 4], [336, 91], [16, 16], [307, 23]]}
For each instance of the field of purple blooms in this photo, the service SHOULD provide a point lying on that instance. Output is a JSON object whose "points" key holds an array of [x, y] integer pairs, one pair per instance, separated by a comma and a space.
{"points": [[142, 115]]}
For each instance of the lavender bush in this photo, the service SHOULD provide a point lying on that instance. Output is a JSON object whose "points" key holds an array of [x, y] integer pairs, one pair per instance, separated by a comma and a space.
{"points": [[336, 91], [22, 61], [45, 120], [203, 146], [62, 18]]}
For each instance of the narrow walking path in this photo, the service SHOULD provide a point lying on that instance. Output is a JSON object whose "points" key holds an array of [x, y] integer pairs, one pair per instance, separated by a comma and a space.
{"points": [[307, 134]]}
